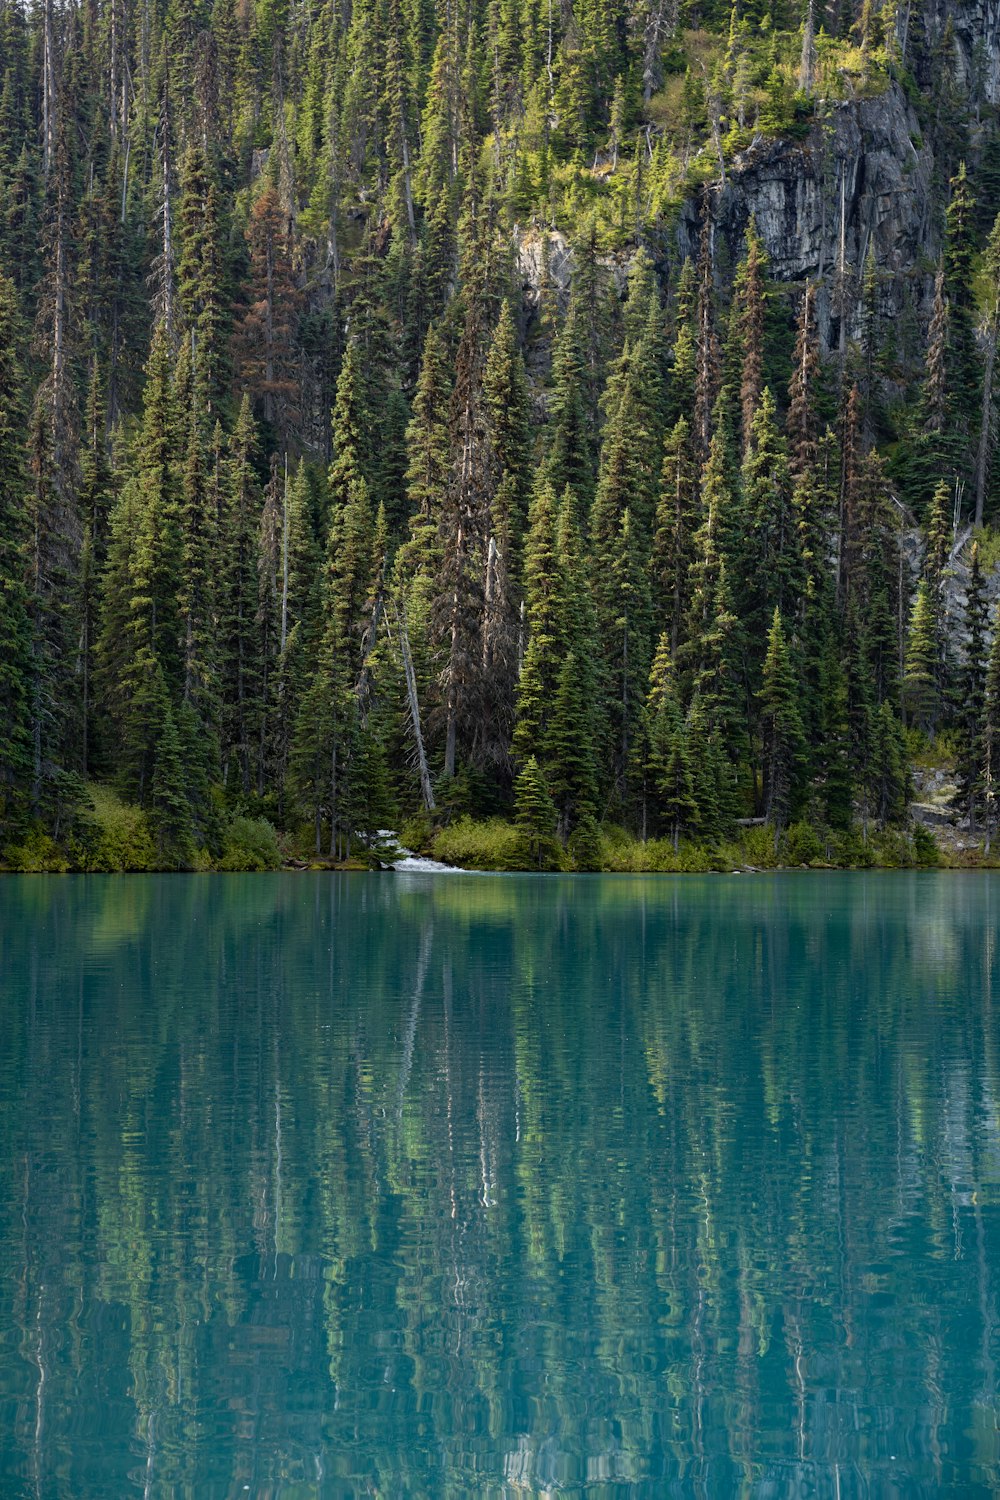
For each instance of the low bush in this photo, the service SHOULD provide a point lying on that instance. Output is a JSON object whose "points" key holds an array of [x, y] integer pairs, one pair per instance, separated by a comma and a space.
{"points": [[121, 838], [623, 854], [753, 846], [250, 845], [801, 845], [417, 834], [925, 846], [37, 853], [490, 845], [585, 845]]}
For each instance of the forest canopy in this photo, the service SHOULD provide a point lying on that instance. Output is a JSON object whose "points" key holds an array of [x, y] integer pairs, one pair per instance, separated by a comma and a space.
{"points": [[398, 421]]}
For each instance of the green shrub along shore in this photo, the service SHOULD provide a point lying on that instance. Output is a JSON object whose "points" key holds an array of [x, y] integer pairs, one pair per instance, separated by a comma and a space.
{"points": [[117, 837], [499, 845]]}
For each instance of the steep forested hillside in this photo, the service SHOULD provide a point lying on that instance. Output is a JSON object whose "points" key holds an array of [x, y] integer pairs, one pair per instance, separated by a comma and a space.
{"points": [[500, 408]]}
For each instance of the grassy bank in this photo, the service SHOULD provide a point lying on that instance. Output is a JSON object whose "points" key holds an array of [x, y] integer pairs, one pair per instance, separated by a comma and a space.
{"points": [[117, 837], [497, 845]]}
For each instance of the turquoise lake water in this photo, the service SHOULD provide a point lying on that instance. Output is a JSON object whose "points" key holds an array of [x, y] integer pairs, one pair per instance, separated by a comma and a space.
{"points": [[402, 1185]]}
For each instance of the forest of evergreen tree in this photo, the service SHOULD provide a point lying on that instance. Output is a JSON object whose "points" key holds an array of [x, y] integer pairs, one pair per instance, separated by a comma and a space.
{"points": [[310, 518]]}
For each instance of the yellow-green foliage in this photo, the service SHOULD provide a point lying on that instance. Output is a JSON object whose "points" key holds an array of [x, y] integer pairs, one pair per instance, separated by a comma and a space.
{"points": [[493, 845], [37, 853], [122, 839], [251, 845], [801, 845], [625, 855], [417, 834]]}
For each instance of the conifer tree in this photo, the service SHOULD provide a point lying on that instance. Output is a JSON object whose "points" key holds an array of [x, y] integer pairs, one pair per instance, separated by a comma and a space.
{"points": [[749, 307], [774, 572], [973, 688], [427, 450], [505, 395], [568, 745], [989, 744], [265, 339], [167, 803], [801, 425], [939, 531], [350, 570], [15, 635], [624, 626], [202, 274], [706, 340], [464, 536], [669, 779], [545, 609], [673, 541], [680, 396], [985, 453], [140, 647], [535, 816], [240, 668], [572, 421], [324, 741], [784, 752], [921, 668], [963, 363], [197, 528], [830, 739], [891, 769], [95, 500], [352, 434]]}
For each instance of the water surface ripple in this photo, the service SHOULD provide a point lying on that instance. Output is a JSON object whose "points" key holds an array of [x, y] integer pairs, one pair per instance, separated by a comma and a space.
{"points": [[325, 1186]]}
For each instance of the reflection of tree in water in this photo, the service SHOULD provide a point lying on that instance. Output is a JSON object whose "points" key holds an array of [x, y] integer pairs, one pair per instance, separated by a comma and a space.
{"points": [[344, 1186]]}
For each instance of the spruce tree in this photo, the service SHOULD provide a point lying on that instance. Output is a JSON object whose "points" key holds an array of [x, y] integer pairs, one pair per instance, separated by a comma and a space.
{"points": [[972, 698], [568, 746], [240, 667], [773, 565], [747, 335], [921, 686], [673, 541], [784, 743], [801, 423], [506, 398], [535, 816], [15, 632], [141, 636], [167, 803], [427, 458], [989, 741]]}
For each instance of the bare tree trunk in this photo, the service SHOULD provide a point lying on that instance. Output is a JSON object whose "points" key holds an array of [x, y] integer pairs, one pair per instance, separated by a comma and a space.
{"points": [[408, 189], [284, 562], [426, 787], [807, 65], [333, 802], [48, 91], [113, 66], [269, 333], [986, 422]]}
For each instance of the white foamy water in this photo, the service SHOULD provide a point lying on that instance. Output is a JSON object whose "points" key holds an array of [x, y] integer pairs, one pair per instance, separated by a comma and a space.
{"points": [[416, 864]]}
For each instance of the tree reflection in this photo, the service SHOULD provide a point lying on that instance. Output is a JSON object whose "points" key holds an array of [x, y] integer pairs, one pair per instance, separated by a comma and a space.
{"points": [[344, 1185]]}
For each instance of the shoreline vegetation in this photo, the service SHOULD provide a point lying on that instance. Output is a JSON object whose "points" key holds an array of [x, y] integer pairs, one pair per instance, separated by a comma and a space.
{"points": [[435, 408], [117, 839]]}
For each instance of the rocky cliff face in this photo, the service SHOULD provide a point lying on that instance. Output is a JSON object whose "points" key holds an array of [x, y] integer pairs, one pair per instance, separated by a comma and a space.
{"points": [[976, 27], [863, 178]]}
